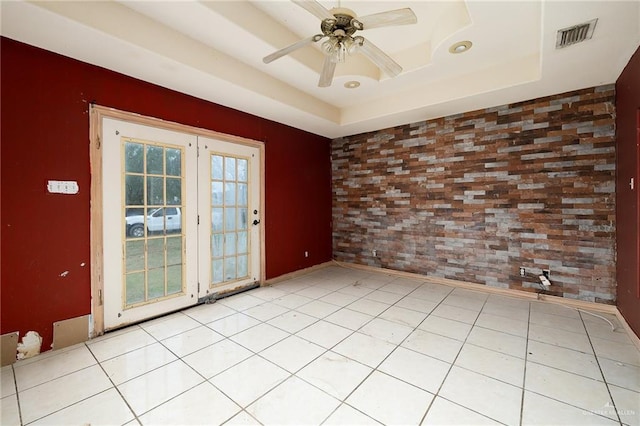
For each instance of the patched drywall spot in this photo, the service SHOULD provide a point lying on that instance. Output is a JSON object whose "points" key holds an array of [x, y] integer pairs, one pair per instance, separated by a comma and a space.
{"points": [[8, 348], [30, 345], [64, 274], [70, 331]]}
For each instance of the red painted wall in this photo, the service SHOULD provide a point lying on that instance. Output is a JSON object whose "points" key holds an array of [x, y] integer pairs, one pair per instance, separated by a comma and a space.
{"points": [[627, 215], [45, 135]]}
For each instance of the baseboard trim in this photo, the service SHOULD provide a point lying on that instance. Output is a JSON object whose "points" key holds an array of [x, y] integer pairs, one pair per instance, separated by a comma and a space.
{"points": [[635, 339], [298, 273]]}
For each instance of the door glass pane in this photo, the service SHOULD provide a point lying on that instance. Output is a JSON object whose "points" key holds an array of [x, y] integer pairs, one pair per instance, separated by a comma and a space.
{"points": [[230, 244], [155, 160], [216, 219], [174, 251], [216, 245], [155, 221], [134, 290], [229, 168], [229, 194], [155, 191], [217, 273], [135, 256], [216, 193], [134, 190], [229, 217], [133, 157], [242, 170], [155, 253], [242, 265], [174, 191], [155, 283], [153, 257], [174, 279], [174, 162], [230, 268], [216, 167], [243, 240], [242, 194], [242, 218]]}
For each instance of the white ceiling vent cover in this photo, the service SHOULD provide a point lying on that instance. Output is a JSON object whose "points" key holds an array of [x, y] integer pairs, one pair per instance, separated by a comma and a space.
{"points": [[575, 34]]}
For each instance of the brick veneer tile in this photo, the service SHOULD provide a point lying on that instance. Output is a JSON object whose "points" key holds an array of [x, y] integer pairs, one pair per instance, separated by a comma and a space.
{"points": [[474, 196]]}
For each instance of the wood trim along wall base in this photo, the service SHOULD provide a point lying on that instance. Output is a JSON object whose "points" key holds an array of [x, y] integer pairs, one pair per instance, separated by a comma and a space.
{"points": [[298, 273], [634, 338]]}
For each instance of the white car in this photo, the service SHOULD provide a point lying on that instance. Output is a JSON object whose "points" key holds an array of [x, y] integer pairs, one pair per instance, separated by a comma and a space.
{"points": [[161, 219]]}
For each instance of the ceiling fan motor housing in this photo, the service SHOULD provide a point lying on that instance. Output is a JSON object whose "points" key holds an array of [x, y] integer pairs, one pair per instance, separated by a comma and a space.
{"points": [[344, 20]]}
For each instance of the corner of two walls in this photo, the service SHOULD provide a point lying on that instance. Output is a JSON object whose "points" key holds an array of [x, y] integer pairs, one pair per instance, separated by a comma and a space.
{"points": [[475, 196]]}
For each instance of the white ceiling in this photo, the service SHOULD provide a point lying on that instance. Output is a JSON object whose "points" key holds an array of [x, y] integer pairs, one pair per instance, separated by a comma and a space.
{"points": [[213, 50]]}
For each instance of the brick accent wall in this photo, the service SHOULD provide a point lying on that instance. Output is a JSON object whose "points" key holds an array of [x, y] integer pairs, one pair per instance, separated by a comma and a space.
{"points": [[474, 196]]}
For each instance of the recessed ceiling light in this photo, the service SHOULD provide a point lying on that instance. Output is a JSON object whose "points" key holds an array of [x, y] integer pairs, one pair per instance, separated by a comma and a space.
{"points": [[461, 46], [352, 84]]}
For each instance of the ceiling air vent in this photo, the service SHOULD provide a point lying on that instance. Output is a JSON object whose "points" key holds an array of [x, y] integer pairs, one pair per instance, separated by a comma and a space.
{"points": [[575, 34]]}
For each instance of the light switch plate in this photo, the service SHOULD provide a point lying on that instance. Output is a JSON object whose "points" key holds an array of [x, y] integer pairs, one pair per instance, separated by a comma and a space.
{"points": [[62, 187]]}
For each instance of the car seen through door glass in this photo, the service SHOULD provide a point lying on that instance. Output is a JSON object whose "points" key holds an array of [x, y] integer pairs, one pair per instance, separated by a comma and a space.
{"points": [[158, 220]]}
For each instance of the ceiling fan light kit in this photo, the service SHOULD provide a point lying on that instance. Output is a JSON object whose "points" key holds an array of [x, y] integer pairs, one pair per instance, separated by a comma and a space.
{"points": [[338, 26]]}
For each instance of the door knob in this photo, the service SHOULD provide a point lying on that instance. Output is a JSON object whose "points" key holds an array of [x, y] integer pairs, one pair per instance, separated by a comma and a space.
{"points": [[256, 221]]}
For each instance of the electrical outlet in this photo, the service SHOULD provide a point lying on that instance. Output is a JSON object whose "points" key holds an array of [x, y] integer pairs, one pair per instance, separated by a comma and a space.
{"points": [[546, 273], [523, 272], [374, 253]]}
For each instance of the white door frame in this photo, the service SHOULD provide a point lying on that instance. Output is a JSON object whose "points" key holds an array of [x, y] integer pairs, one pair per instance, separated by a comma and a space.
{"points": [[97, 114]]}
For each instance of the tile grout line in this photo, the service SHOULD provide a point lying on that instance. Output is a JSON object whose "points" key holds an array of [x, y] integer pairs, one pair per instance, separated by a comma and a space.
{"points": [[374, 369], [135, 416], [258, 354], [15, 383], [464, 342], [80, 400], [604, 379], [343, 401], [205, 380], [524, 372], [84, 344], [178, 358], [325, 351]]}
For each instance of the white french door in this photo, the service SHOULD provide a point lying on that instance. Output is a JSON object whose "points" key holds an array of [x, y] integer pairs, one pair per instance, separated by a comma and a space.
{"points": [[178, 219], [229, 196]]}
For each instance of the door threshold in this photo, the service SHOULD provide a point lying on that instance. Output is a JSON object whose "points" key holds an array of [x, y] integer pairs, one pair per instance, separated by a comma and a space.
{"points": [[211, 298]]}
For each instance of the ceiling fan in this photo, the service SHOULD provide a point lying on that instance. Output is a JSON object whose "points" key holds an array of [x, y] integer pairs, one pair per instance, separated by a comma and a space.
{"points": [[338, 26]]}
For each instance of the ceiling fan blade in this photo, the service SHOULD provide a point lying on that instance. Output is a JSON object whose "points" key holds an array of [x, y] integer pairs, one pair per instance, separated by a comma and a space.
{"points": [[392, 17], [315, 8], [286, 50], [328, 69], [381, 59]]}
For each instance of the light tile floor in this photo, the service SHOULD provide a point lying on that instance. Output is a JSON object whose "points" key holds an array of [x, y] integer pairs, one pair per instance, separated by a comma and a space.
{"points": [[340, 346]]}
